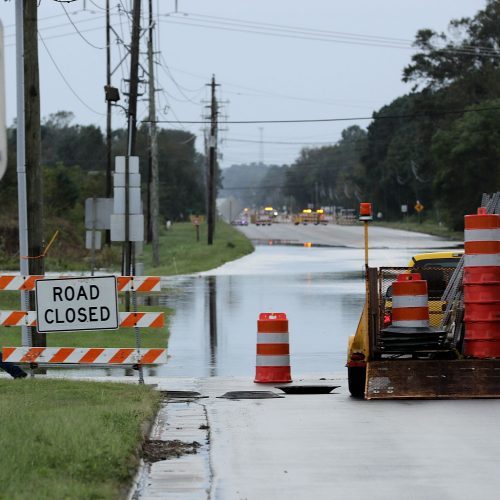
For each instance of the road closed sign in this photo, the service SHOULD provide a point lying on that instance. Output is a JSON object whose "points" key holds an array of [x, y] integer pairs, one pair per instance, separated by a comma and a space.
{"points": [[71, 304]]}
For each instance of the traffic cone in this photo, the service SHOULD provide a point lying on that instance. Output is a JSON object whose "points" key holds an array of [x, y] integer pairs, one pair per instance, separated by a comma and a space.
{"points": [[410, 307], [273, 351]]}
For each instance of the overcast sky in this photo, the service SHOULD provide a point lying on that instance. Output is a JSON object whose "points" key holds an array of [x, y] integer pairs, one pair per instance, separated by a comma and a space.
{"points": [[273, 59]]}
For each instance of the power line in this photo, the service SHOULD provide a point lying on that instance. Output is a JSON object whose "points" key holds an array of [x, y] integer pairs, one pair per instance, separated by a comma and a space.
{"points": [[355, 118], [318, 35], [256, 141], [78, 31], [65, 80]]}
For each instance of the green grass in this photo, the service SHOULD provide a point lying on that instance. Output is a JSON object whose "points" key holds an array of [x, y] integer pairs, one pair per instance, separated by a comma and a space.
{"points": [[426, 226], [180, 253], [64, 439]]}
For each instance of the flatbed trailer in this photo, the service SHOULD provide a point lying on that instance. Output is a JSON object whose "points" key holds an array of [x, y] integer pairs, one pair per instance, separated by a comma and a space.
{"points": [[378, 371]]}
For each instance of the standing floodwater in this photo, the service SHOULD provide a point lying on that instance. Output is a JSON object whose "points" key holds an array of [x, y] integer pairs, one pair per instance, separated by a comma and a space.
{"points": [[321, 290]]}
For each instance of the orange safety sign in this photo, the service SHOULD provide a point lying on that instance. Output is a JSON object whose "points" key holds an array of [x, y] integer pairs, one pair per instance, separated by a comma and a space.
{"points": [[127, 319], [124, 283], [418, 206], [84, 355]]}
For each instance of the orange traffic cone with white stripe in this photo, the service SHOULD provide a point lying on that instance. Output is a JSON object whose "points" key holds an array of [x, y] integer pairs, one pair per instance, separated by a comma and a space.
{"points": [[410, 302], [410, 330], [273, 350]]}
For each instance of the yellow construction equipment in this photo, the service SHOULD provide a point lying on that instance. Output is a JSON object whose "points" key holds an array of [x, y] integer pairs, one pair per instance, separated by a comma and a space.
{"points": [[382, 365]]}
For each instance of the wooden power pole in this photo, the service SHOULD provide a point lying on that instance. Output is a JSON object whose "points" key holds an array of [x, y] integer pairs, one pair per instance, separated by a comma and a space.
{"points": [[153, 198], [34, 184], [127, 268], [212, 162]]}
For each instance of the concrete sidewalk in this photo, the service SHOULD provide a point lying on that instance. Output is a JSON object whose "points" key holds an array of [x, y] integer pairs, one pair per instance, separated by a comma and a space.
{"points": [[324, 446]]}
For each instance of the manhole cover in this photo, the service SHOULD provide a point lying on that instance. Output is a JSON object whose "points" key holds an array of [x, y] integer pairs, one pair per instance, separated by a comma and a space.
{"points": [[307, 389], [181, 395], [250, 395]]}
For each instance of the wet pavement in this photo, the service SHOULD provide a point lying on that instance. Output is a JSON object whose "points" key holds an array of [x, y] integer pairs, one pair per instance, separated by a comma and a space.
{"points": [[324, 446], [320, 446]]}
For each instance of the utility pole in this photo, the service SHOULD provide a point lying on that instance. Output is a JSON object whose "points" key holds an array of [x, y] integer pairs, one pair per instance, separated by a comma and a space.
{"points": [[21, 164], [153, 198], [109, 164], [261, 146], [32, 154], [127, 256], [212, 161]]}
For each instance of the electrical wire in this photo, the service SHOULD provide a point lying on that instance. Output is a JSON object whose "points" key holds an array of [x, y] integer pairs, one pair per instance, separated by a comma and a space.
{"points": [[256, 141], [65, 80], [357, 118], [78, 31], [332, 38], [295, 29]]}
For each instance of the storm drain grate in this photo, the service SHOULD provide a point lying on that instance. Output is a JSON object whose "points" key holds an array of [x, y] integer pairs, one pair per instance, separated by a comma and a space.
{"points": [[250, 395], [182, 395], [307, 389]]}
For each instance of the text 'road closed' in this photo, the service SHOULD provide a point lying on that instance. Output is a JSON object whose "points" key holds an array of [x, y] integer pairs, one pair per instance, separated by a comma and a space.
{"points": [[77, 304]]}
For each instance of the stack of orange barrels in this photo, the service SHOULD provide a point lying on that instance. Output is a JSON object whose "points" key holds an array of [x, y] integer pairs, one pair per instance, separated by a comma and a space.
{"points": [[482, 285]]}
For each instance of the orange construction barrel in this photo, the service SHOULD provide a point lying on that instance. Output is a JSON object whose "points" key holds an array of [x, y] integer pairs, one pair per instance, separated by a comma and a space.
{"points": [[273, 350], [410, 307], [482, 285]]}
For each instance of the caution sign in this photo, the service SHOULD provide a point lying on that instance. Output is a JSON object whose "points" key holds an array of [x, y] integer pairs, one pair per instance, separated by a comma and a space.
{"points": [[71, 304], [418, 206]]}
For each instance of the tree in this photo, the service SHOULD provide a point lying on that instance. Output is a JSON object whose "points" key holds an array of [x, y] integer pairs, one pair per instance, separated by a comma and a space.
{"points": [[330, 175], [468, 54], [468, 154]]}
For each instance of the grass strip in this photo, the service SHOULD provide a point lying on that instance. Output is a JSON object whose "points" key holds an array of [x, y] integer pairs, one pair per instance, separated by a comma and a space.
{"points": [[71, 439], [181, 253], [426, 226]]}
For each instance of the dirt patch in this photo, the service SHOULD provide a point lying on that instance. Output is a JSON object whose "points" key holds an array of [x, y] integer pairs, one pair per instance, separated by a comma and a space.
{"points": [[155, 450]]}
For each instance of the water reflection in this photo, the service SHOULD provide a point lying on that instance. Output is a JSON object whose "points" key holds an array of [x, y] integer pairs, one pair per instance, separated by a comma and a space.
{"points": [[213, 328], [211, 282]]}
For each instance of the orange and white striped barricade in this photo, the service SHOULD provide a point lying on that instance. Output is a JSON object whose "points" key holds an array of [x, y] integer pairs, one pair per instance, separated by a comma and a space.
{"points": [[482, 285], [410, 330], [75, 355], [126, 319], [84, 355], [273, 349], [123, 283]]}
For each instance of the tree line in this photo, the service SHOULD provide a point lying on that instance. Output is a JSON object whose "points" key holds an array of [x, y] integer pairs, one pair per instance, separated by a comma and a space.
{"points": [[73, 159], [74, 167], [438, 144]]}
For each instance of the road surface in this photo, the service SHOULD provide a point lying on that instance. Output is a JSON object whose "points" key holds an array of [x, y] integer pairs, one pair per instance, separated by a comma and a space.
{"points": [[342, 236]]}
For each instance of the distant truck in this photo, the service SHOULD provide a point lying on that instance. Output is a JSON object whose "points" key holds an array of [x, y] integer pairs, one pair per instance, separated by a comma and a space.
{"points": [[309, 216], [264, 217]]}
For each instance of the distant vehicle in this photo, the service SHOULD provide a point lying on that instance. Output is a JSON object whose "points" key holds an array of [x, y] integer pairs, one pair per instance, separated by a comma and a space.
{"points": [[264, 217], [240, 222], [309, 216]]}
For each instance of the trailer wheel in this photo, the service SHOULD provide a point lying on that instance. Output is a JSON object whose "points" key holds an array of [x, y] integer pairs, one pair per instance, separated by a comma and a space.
{"points": [[356, 376]]}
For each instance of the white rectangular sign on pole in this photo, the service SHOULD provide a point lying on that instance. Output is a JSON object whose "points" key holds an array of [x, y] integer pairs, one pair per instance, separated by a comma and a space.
{"points": [[72, 304]]}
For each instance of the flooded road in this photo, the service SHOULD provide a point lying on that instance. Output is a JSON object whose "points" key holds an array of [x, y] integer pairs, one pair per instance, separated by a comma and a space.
{"points": [[321, 290]]}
